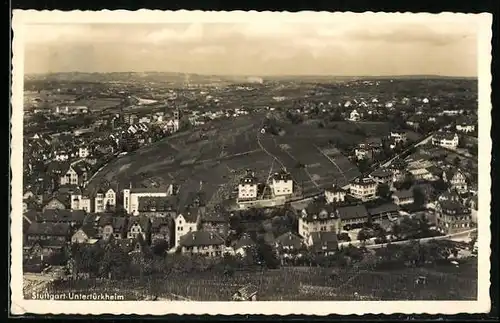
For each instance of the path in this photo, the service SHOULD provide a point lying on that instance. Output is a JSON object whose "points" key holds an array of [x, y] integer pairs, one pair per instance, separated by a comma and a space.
{"points": [[331, 161]]}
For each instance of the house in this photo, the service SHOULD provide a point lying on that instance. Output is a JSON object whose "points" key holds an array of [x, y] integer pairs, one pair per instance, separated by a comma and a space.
{"points": [[383, 176], [161, 230], [335, 194], [362, 153], [157, 206], [243, 245], [80, 201], [403, 197], [456, 179], [112, 226], [316, 217], [131, 196], [422, 174], [49, 231], [74, 218], [452, 217], [398, 136], [187, 221], [202, 243], [247, 188], [104, 200], [352, 216], [354, 116], [288, 244], [57, 203], [363, 188], [447, 140], [282, 184], [41, 250], [383, 212], [215, 222], [140, 225], [465, 127], [86, 234], [323, 243], [74, 174], [83, 152], [131, 245]]}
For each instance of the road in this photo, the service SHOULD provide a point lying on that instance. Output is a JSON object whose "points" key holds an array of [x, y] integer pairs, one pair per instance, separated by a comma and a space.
{"points": [[460, 236]]}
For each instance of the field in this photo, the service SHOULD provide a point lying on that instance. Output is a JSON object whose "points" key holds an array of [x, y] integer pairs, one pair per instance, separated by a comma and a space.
{"points": [[444, 282], [99, 103], [217, 154]]}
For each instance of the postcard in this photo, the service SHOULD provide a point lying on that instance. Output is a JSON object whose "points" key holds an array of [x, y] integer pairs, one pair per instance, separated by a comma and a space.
{"points": [[190, 162]]}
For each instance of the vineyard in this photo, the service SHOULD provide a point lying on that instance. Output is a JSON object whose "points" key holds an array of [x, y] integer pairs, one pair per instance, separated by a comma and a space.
{"points": [[444, 282]]}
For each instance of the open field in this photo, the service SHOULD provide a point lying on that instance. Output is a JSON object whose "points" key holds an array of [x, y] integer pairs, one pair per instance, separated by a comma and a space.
{"points": [[222, 150], [444, 282], [98, 104]]}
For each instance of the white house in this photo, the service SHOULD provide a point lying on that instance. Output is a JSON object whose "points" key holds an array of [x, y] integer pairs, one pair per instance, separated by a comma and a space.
{"points": [[403, 197], [247, 188], [83, 152], [81, 202], [131, 196], [335, 194], [354, 116], [446, 140], [104, 199], [363, 189], [398, 136], [282, 184], [465, 127], [185, 223]]}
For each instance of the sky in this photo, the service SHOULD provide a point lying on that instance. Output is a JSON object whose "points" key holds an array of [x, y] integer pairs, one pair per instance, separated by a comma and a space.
{"points": [[257, 48]]}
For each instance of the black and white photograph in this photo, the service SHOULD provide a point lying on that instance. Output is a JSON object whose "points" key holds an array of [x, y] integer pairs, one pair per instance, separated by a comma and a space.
{"points": [[185, 161]]}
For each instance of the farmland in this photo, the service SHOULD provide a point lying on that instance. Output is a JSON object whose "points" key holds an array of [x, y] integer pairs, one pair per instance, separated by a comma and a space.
{"points": [[215, 154], [444, 282]]}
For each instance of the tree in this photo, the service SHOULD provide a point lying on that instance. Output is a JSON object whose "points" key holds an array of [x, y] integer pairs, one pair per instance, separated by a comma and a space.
{"points": [[363, 235], [383, 190], [418, 197], [266, 255], [456, 162]]}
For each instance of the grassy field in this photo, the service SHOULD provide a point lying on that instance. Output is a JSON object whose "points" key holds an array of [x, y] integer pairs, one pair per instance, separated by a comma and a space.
{"points": [[444, 282], [218, 152]]}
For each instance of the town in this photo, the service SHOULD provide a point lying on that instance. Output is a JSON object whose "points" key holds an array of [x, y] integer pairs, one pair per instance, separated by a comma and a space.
{"points": [[230, 189]]}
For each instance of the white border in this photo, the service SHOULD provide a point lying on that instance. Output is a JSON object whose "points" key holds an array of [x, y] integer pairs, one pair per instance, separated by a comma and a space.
{"points": [[20, 305]]}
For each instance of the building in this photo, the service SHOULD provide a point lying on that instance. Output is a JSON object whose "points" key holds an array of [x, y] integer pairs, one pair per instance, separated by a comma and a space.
{"points": [[73, 174], [382, 212], [318, 216], [49, 231], [112, 226], [352, 216], [398, 136], [403, 197], [57, 203], [247, 188], [323, 243], [80, 201], [335, 194], [288, 244], [139, 225], [363, 188], [158, 206], [215, 222], [73, 218], [383, 176], [282, 184], [83, 152], [456, 179], [354, 116], [242, 246], [465, 127], [202, 243], [447, 140], [452, 217], [86, 234], [186, 222], [104, 200], [161, 229], [131, 196]]}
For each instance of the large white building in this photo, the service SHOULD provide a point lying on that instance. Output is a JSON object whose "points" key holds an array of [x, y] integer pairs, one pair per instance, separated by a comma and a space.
{"points": [[446, 140], [465, 127], [185, 222], [363, 189], [335, 194], [247, 188], [354, 116], [131, 196], [80, 201], [398, 136], [282, 184]]}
